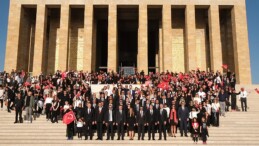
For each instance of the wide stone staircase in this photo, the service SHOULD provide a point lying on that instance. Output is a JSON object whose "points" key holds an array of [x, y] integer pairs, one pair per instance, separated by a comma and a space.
{"points": [[237, 128]]}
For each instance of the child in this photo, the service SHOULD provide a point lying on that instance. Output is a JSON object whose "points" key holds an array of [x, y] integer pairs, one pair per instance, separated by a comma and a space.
{"points": [[204, 130], [79, 126], [195, 127]]}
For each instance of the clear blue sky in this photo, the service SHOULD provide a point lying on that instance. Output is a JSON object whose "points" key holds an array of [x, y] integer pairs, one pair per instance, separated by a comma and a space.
{"points": [[253, 24]]}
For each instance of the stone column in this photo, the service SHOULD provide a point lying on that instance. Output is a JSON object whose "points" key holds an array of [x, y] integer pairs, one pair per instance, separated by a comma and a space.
{"points": [[167, 37], [63, 37], [190, 39], [161, 59], [142, 39], [112, 38], [241, 47], [88, 31], [215, 41], [11, 54], [39, 46]]}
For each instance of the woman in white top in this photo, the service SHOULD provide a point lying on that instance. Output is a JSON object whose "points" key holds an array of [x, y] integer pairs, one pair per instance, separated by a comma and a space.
{"points": [[2, 97], [48, 105], [215, 112]]}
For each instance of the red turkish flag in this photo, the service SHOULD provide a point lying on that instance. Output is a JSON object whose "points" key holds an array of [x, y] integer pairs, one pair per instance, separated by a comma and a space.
{"points": [[184, 89], [163, 85], [63, 75], [225, 66], [69, 117], [27, 84]]}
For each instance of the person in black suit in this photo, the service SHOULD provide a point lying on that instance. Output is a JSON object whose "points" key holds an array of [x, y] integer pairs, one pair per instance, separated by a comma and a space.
{"points": [[109, 120], [88, 119], [162, 117], [164, 100], [141, 122], [99, 120], [120, 122], [183, 114], [131, 120], [18, 104], [151, 119]]}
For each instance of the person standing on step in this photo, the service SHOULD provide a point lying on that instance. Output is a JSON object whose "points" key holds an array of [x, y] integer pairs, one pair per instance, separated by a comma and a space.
{"points": [[120, 122], [141, 122], [88, 121], [204, 130], [18, 107], [243, 99], [195, 132], [99, 119], [183, 115], [162, 117], [29, 104], [2, 91], [109, 120]]}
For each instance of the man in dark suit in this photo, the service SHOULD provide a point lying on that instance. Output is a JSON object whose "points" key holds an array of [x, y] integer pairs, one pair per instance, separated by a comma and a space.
{"points": [[141, 122], [18, 104], [109, 120], [151, 119], [99, 119], [162, 117], [183, 114], [120, 122], [88, 119], [164, 100]]}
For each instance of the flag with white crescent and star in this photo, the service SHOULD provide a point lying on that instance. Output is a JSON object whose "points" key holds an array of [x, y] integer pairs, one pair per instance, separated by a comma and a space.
{"points": [[69, 117]]}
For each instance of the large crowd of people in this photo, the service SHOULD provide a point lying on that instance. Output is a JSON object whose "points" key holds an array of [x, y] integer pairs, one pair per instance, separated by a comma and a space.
{"points": [[163, 102]]}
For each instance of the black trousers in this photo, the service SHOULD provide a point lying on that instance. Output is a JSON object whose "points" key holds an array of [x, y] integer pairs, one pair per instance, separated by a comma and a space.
{"points": [[120, 128], [9, 105], [244, 103], [48, 112], [88, 130], [183, 127], [110, 132], [233, 103], [2, 103], [162, 129], [151, 129], [141, 131], [18, 112], [54, 117], [99, 130]]}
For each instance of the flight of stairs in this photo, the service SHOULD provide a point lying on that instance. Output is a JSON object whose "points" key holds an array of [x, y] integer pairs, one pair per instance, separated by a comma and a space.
{"points": [[237, 128]]}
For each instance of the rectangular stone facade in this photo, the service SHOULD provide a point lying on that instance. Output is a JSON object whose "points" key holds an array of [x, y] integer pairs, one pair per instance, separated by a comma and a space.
{"points": [[45, 36]]}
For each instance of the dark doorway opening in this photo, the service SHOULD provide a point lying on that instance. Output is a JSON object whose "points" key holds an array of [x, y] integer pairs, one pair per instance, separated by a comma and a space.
{"points": [[154, 18], [127, 36], [100, 31]]}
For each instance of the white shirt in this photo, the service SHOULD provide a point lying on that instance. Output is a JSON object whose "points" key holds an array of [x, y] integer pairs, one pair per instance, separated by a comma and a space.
{"points": [[218, 80], [215, 106], [193, 114], [66, 107], [198, 99], [202, 94], [79, 124], [208, 109], [243, 94], [1, 93], [48, 100]]}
